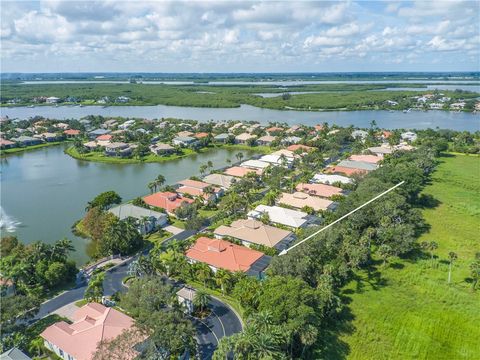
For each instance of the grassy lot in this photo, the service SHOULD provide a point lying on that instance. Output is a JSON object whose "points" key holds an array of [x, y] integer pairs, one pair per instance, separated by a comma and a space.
{"points": [[158, 237], [28, 148], [408, 311], [178, 223]]}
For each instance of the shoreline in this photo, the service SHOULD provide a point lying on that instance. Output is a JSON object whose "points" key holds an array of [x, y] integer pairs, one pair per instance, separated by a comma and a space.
{"points": [[19, 150]]}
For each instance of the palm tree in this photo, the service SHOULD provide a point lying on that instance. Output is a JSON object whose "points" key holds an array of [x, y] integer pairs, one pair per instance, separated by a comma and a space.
{"points": [[239, 156], [203, 169], [61, 248], [452, 257], [204, 273], [475, 273], [159, 181], [144, 220], [308, 336], [210, 164], [152, 186], [270, 197], [233, 203], [201, 299], [432, 246], [223, 278]]}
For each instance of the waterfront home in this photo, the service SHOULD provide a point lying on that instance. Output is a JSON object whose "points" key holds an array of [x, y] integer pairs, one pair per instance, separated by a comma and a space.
{"points": [[117, 149], [52, 100], [93, 323], [70, 133], [201, 135], [279, 215], [184, 141], [293, 129], [185, 298], [26, 140], [266, 140], [299, 200], [289, 154], [359, 134], [61, 125], [347, 171], [409, 136], [221, 254], [361, 165], [274, 130], [244, 138], [380, 151], [236, 126], [126, 124], [6, 144], [98, 132], [385, 134], [221, 138], [298, 147], [255, 164], [199, 188], [104, 138], [250, 231], [91, 145], [373, 159], [291, 140], [161, 149], [147, 220], [318, 127], [239, 171], [14, 354], [321, 190], [184, 134], [331, 179], [221, 180], [110, 124], [277, 160], [49, 137], [457, 105], [169, 201]]}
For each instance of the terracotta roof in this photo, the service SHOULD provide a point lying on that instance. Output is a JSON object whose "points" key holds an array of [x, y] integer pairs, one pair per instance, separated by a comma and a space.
{"points": [[299, 200], [223, 254], [194, 183], [298, 146], [166, 200], [274, 129], [4, 142], [245, 137], [239, 171], [318, 127], [105, 137], [184, 134], [253, 231], [72, 132], [93, 323], [344, 170], [365, 158], [267, 138], [319, 189], [200, 135]]}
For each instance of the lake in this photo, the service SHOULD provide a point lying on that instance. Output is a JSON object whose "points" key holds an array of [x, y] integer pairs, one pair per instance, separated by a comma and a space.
{"points": [[44, 191], [384, 118]]}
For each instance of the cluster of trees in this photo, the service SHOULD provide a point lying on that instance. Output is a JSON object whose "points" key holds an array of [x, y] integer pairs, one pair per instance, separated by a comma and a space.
{"points": [[110, 235], [458, 141]]}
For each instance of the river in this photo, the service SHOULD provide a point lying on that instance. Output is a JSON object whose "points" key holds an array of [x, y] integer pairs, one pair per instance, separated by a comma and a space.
{"points": [[384, 118], [44, 191]]}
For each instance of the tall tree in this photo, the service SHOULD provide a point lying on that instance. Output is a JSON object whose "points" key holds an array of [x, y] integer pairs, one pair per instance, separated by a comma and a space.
{"points": [[451, 257]]}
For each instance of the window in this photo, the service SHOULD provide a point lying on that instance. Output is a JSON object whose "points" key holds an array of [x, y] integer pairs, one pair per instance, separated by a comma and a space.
{"points": [[61, 352], [70, 357]]}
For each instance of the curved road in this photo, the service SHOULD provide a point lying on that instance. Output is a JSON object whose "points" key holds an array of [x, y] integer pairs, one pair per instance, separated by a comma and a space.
{"points": [[223, 321]]}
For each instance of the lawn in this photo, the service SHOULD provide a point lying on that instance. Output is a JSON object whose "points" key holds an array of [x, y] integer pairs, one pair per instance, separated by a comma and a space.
{"points": [[28, 148], [408, 311]]}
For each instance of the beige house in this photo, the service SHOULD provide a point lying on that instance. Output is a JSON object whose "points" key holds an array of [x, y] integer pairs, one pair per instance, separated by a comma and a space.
{"points": [[243, 138], [250, 231], [224, 181], [299, 200]]}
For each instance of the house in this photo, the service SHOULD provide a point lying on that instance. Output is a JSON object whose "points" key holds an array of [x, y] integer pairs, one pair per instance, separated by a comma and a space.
{"points": [[322, 190], [93, 323], [373, 159], [162, 149], [289, 154], [436, 106], [48, 137], [457, 105], [168, 201], [250, 231], [359, 134], [299, 200], [91, 145], [201, 135], [184, 141], [293, 129], [392, 103], [331, 179], [6, 144], [348, 171], [26, 140], [277, 160], [244, 138], [361, 165], [221, 180], [123, 99], [126, 124], [198, 188], [108, 124], [104, 138], [185, 298], [14, 354], [274, 130], [185, 134], [118, 149], [147, 220], [61, 125], [318, 127], [266, 140], [52, 100], [291, 140], [97, 132], [255, 164], [70, 133], [221, 138], [221, 254], [409, 136], [298, 147], [279, 215], [239, 171], [386, 134], [381, 151]]}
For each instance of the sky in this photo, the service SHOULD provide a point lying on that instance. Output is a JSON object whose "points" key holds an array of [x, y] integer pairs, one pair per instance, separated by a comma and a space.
{"points": [[239, 36]]}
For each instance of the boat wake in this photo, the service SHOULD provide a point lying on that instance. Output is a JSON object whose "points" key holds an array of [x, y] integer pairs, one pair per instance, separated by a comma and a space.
{"points": [[7, 222]]}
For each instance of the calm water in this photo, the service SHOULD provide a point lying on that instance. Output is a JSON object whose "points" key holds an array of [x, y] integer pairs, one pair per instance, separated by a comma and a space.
{"points": [[43, 192], [385, 119]]}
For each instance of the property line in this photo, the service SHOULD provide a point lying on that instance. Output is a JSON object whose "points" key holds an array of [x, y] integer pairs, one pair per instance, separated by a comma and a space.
{"points": [[340, 219]]}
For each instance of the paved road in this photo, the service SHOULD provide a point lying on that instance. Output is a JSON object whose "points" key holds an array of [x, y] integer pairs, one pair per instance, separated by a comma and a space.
{"points": [[222, 322]]}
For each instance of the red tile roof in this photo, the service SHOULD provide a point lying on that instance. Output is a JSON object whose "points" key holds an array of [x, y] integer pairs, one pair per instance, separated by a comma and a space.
{"points": [[105, 137], [166, 200], [72, 132], [194, 183], [239, 171], [223, 254], [318, 127], [319, 189], [274, 129], [201, 135], [344, 170], [4, 142]]}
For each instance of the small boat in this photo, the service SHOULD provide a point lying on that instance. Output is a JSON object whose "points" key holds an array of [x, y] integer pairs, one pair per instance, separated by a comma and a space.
{"points": [[31, 106]]}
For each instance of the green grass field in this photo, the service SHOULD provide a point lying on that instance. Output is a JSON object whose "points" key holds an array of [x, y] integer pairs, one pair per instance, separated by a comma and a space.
{"points": [[408, 311]]}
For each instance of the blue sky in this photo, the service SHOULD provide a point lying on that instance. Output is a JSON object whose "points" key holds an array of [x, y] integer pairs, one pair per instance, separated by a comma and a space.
{"points": [[239, 36]]}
